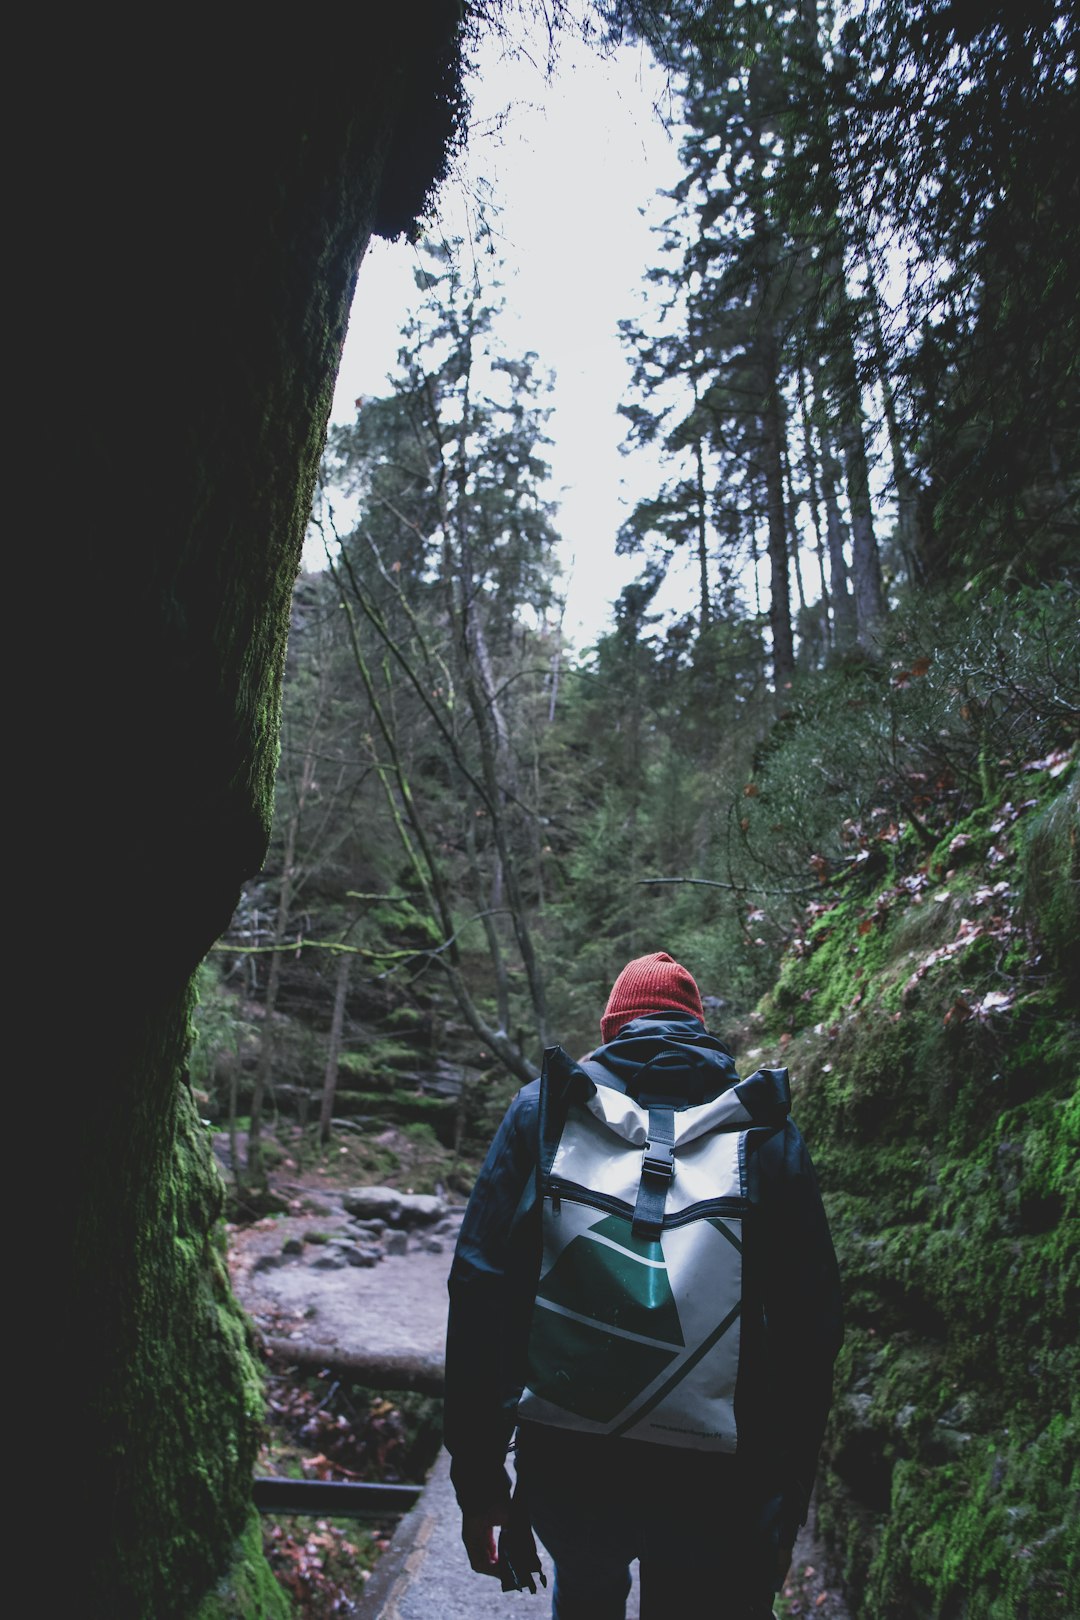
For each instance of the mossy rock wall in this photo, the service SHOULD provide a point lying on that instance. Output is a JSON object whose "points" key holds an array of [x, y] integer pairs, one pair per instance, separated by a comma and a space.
{"points": [[930, 1023], [223, 202], [178, 1402]]}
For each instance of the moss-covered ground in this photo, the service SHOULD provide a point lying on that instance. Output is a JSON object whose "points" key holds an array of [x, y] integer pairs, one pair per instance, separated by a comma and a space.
{"points": [[929, 1015]]}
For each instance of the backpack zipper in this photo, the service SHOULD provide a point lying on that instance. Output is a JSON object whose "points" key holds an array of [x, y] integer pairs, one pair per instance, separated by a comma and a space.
{"points": [[558, 1189]]}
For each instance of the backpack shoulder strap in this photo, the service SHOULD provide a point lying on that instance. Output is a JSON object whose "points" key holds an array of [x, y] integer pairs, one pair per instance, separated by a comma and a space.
{"points": [[562, 1081]]}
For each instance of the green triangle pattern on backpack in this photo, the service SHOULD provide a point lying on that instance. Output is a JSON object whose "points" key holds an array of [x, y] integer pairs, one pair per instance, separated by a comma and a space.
{"points": [[619, 1281], [608, 1371]]}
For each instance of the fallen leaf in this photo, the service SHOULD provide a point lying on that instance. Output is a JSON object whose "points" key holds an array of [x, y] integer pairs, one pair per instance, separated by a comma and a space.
{"points": [[993, 1001], [1055, 762]]}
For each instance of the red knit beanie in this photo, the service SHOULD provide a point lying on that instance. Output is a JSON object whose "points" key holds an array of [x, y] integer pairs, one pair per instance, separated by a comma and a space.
{"points": [[650, 984]]}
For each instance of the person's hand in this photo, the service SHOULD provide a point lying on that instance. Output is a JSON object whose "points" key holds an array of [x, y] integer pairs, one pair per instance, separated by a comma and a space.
{"points": [[478, 1534]]}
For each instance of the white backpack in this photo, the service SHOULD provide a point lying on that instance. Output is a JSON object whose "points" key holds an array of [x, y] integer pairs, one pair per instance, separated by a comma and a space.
{"points": [[635, 1327]]}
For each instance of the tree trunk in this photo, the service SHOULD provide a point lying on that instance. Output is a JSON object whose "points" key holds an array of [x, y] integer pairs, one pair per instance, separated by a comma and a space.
{"points": [[847, 414], [772, 456], [815, 506], [843, 606], [906, 496], [333, 1045], [771, 422], [702, 540], [421, 857], [865, 563], [793, 508], [265, 1067], [497, 760]]}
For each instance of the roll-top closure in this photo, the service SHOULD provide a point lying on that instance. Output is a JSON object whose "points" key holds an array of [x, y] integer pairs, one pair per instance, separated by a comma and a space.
{"points": [[630, 1120]]}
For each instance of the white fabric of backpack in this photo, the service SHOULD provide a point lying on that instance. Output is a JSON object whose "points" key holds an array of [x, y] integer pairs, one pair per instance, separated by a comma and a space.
{"points": [[636, 1324]]}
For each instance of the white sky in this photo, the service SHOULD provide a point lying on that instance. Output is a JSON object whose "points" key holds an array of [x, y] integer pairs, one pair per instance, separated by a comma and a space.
{"points": [[572, 167]]}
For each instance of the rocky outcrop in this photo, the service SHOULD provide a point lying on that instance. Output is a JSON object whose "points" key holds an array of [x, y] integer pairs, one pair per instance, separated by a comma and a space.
{"points": [[230, 197]]}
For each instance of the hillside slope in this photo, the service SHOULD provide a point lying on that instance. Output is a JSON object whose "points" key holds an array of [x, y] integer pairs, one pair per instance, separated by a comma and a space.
{"points": [[929, 1018]]}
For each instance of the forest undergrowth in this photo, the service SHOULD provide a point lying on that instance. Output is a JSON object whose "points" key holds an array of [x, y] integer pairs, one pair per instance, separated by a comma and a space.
{"points": [[325, 1428]]}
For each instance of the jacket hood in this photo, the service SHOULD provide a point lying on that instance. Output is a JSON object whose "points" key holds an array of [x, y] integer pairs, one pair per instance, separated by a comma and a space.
{"points": [[674, 1060]]}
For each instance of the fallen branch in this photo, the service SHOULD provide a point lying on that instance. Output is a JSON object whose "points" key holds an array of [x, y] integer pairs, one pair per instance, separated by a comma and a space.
{"points": [[735, 888], [424, 1374]]}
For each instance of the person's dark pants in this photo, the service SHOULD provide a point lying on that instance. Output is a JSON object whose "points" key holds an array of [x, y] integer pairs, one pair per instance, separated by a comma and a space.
{"points": [[688, 1519]]}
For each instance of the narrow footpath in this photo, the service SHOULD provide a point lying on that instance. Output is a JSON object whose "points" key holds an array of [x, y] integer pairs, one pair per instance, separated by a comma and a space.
{"points": [[424, 1573]]}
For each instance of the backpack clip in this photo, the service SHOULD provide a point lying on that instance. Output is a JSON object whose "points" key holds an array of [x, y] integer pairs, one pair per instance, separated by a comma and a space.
{"points": [[657, 1173], [658, 1160]]}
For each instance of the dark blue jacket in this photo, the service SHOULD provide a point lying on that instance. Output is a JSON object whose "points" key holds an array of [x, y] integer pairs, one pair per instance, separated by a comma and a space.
{"points": [[791, 1323]]}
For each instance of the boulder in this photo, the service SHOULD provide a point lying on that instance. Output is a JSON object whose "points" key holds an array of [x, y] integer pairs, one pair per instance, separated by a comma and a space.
{"points": [[356, 1255], [396, 1208]]}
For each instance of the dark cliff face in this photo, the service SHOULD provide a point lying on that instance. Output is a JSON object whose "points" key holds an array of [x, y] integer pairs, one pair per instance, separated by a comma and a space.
{"points": [[220, 196], [934, 1049]]}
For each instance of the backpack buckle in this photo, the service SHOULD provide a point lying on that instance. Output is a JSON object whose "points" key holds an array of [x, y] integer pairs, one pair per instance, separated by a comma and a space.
{"points": [[658, 1160]]}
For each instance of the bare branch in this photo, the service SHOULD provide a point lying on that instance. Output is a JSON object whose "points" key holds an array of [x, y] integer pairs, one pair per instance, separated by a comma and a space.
{"points": [[735, 888]]}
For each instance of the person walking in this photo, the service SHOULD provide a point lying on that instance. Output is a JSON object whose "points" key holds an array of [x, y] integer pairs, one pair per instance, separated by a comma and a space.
{"points": [[711, 1517]]}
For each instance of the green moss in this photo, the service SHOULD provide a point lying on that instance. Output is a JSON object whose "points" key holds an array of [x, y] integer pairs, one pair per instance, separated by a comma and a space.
{"points": [[180, 1410], [204, 1449], [947, 1139], [383, 1109], [376, 1061], [991, 1534], [248, 1591], [404, 1017], [420, 1132]]}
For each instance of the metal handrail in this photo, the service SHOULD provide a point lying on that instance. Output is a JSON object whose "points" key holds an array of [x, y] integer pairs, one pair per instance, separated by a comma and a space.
{"points": [[333, 1499]]}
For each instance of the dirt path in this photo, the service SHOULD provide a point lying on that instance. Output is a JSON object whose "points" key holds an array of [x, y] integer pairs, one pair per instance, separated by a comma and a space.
{"points": [[285, 1276]]}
